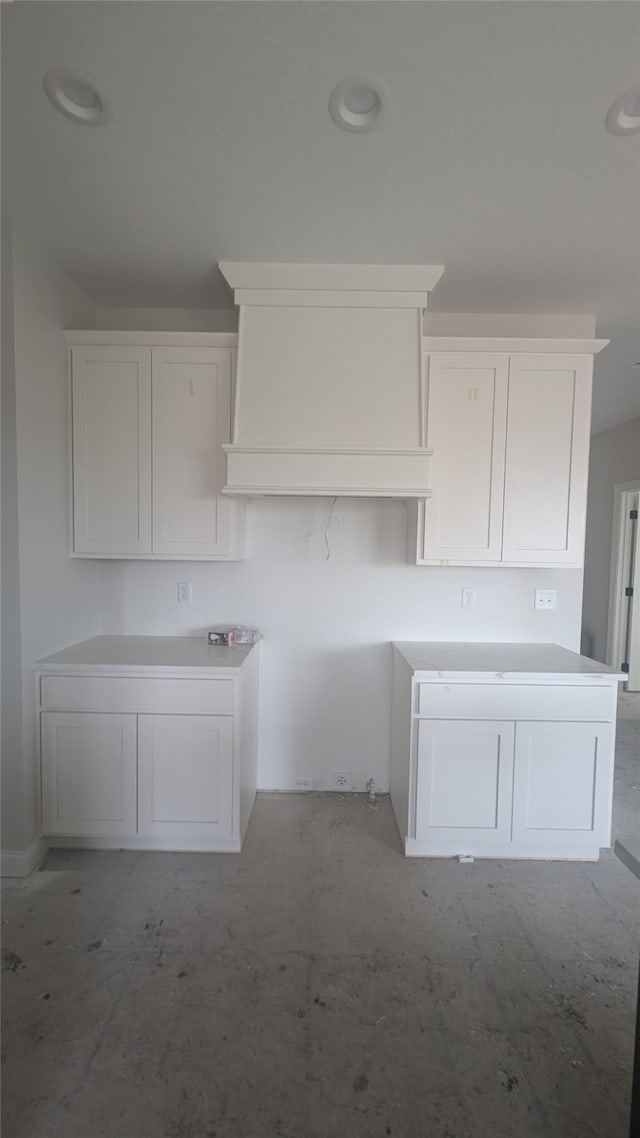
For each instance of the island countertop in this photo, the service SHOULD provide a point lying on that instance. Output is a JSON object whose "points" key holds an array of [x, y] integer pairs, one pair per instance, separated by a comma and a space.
{"points": [[464, 660], [132, 653]]}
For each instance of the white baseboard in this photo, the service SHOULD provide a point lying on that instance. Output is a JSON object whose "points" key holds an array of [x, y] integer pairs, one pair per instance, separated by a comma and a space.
{"points": [[20, 863]]}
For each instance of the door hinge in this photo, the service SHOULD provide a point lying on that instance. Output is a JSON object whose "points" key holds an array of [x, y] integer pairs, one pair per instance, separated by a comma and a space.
{"points": [[624, 667], [633, 514], [628, 591]]}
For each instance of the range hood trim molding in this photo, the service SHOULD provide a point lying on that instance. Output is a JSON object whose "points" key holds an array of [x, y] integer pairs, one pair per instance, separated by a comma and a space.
{"points": [[301, 277], [415, 452], [328, 298]]}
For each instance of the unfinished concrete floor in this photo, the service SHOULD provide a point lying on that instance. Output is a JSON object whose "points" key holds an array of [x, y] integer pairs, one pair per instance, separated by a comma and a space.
{"points": [[321, 986]]}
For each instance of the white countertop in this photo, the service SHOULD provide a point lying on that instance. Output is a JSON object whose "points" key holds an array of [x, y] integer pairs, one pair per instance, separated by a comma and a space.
{"points": [[168, 653], [465, 660]]}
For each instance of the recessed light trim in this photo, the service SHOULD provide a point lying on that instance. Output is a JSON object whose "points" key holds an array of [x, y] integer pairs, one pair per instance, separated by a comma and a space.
{"points": [[358, 103], [624, 116], [76, 96]]}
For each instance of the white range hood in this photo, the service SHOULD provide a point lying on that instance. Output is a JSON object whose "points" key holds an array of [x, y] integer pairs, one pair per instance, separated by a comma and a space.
{"points": [[329, 385]]}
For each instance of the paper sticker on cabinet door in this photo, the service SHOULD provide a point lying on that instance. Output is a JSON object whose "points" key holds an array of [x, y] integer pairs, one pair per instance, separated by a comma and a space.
{"points": [[464, 783]]}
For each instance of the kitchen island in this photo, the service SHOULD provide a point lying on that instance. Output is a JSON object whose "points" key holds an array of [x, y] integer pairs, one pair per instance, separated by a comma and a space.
{"points": [[502, 750], [148, 742]]}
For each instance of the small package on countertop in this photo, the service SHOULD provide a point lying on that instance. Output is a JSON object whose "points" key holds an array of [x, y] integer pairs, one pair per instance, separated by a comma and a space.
{"points": [[230, 635]]}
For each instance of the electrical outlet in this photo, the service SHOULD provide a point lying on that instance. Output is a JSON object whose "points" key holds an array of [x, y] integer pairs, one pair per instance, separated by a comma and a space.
{"points": [[184, 592], [546, 599], [341, 780], [304, 784], [468, 599]]}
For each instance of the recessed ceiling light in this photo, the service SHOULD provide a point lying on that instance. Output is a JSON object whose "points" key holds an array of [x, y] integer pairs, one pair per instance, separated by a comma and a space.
{"points": [[357, 103], [75, 96], [624, 116]]}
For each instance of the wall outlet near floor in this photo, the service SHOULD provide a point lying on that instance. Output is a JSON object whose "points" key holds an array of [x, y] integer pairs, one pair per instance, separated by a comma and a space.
{"points": [[468, 599], [546, 599], [184, 592], [303, 784], [341, 780]]}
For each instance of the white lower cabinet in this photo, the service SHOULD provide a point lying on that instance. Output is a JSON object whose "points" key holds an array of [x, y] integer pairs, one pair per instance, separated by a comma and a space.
{"points": [[88, 773], [562, 785], [152, 776], [498, 763], [141, 758], [537, 789], [185, 776], [477, 757]]}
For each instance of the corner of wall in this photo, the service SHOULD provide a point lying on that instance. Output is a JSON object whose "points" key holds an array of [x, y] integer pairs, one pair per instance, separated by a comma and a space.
{"points": [[55, 600], [614, 459]]}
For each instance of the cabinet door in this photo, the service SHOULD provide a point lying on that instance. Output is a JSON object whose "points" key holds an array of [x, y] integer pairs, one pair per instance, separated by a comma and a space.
{"points": [[547, 459], [466, 415], [185, 776], [562, 789], [88, 774], [464, 785], [111, 392], [191, 420]]}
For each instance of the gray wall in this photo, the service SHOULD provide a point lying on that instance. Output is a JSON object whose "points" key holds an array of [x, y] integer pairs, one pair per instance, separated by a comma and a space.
{"points": [[615, 457], [49, 600], [11, 657]]}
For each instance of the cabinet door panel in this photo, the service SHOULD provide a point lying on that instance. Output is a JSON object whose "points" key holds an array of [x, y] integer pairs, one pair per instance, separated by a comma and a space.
{"points": [[185, 776], [111, 450], [88, 774], [547, 459], [466, 412], [562, 785], [464, 784], [191, 419]]}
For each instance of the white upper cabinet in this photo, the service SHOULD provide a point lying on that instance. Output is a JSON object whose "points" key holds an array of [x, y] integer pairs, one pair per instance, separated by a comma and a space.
{"points": [[547, 459], [510, 440], [111, 450], [149, 422], [191, 416], [467, 410]]}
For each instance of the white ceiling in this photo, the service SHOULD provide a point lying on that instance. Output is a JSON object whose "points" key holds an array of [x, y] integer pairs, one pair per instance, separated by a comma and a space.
{"points": [[492, 158]]}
